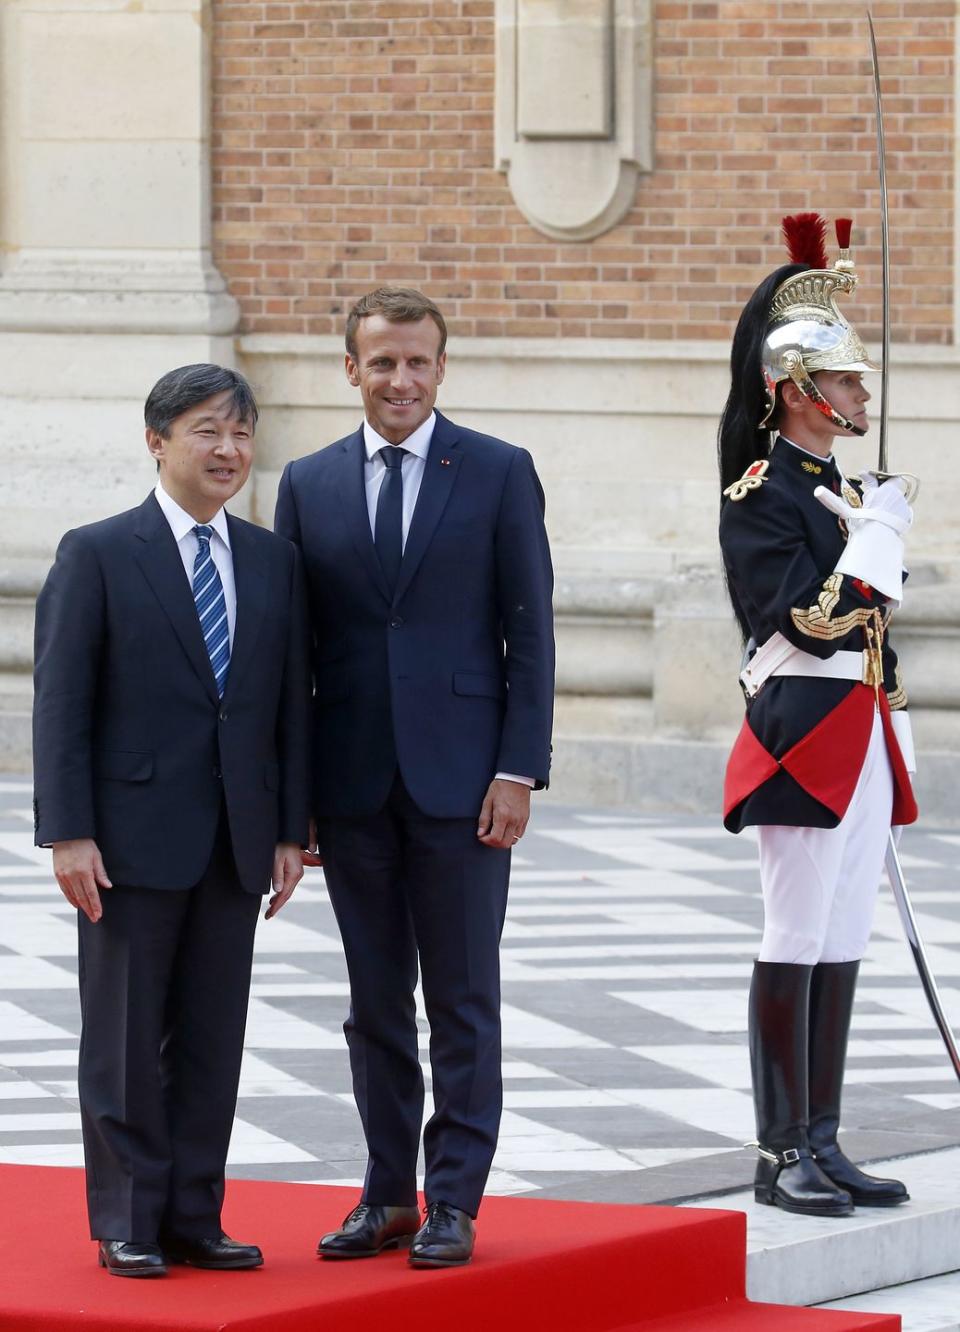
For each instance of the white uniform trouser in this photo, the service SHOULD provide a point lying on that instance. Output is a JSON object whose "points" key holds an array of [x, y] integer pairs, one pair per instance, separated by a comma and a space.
{"points": [[820, 884]]}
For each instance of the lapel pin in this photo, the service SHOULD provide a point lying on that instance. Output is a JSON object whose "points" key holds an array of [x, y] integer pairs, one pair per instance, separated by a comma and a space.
{"points": [[444, 462]]}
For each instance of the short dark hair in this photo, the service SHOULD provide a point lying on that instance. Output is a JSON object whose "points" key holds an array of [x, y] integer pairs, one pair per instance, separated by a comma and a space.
{"points": [[178, 390], [401, 305]]}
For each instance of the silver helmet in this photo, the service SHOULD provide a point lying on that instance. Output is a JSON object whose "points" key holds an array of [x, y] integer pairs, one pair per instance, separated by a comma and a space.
{"points": [[806, 332]]}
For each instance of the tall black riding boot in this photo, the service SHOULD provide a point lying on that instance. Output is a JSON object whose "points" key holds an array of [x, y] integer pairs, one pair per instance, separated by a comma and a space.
{"points": [[832, 988], [787, 1175]]}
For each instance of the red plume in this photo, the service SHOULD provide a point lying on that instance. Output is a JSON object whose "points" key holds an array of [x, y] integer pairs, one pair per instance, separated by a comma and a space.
{"points": [[805, 234], [843, 225]]}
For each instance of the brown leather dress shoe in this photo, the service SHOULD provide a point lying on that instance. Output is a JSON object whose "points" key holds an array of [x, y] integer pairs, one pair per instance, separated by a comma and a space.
{"points": [[445, 1239], [221, 1254], [368, 1230], [126, 1258]]}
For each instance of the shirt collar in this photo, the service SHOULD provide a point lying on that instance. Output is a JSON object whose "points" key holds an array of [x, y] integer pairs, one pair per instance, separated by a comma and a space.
{"points": [[182, 522], [418, 443]]}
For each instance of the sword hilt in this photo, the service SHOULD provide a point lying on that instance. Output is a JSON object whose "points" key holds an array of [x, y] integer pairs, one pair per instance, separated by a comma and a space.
{"points": [[911, 483]]}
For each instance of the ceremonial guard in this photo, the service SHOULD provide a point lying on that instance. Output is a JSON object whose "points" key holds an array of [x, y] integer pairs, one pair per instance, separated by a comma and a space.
{"points": [[814, 566]]}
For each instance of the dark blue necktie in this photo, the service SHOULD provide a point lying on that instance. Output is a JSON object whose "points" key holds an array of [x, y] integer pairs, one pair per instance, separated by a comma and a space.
{"points": [[388, 526], [211, 607]]}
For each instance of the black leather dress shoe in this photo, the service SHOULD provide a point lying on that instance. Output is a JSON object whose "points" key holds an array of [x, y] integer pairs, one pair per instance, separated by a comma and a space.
{"points": [[865, 1190], [369, 1229], [444, 1240], [222, 1254], [125, 1258]]}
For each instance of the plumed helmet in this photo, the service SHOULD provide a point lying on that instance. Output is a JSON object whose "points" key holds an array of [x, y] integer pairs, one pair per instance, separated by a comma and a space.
{"points": [[806, 332]]}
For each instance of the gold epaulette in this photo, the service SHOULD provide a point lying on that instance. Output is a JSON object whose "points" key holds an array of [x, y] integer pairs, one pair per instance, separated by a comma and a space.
{"points": [[752, 479]]}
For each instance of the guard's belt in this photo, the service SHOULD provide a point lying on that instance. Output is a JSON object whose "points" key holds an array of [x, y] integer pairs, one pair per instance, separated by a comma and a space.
{"points": [[778, 656]]}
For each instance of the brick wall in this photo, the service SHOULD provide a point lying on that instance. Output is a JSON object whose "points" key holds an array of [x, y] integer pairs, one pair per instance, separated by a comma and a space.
{"points": [[353, 142]]}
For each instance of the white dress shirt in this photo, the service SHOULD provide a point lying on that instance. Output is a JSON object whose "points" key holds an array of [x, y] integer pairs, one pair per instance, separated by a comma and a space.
{"points": [[417, 447], [182, 525]]}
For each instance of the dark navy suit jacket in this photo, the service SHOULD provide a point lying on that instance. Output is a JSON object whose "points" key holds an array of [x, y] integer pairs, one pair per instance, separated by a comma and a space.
{"points": [[451, 678], [780, 549], [132, 746]]}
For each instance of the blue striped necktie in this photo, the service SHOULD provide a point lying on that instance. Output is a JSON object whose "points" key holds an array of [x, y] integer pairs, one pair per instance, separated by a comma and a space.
{"points": [[211, 607]]}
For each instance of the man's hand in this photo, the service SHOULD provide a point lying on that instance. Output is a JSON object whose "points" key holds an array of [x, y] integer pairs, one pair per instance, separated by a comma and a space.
{"points": [[312, 854], [287, 873], [504, 813], [78, 866]]}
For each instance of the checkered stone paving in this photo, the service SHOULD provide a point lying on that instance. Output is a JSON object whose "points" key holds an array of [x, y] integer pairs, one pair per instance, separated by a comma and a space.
{"points": [[626, 960]]}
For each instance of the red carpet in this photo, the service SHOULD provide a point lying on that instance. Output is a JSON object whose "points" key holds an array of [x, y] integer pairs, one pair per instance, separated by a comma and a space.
{"points": [[539, 1265]]}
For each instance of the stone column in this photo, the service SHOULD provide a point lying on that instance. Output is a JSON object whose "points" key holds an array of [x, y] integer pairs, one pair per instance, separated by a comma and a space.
{"points": [[106, 277]]}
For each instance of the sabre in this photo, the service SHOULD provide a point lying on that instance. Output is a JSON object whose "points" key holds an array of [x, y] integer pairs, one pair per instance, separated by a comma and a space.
{"points": [[909, 922], [884, 250], [882, 474], [892, 859]]}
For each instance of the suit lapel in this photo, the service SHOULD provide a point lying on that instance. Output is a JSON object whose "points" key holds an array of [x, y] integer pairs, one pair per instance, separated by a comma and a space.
{"points": [[251, 584], [439, 476], [158, 557], [353, 506]]}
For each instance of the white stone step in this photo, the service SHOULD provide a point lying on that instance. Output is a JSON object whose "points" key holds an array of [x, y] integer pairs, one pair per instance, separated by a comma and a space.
{"points": [[810, 1260], [932, 1305]]}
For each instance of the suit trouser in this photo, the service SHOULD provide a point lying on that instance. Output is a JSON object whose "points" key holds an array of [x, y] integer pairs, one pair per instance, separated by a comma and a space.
{"points": [[164, 983], [820, 885], [404, 885]]}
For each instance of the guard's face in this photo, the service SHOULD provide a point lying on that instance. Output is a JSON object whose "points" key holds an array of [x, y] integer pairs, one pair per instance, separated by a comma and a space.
{"points": [[397, 369], [847, 394], [206, 457]]}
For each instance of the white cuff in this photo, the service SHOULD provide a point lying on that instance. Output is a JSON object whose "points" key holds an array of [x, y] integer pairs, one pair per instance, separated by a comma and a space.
{"points": [[874, 553], [512, 777]]}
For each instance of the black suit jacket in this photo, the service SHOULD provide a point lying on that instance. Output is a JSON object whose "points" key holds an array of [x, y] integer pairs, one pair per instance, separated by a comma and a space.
{"points": [[451, 677], [132, 746]]}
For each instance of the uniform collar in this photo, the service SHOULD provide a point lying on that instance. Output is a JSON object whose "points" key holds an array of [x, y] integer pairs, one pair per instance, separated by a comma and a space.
{"points": [[182, 522], [418, 443], [801, 462]]}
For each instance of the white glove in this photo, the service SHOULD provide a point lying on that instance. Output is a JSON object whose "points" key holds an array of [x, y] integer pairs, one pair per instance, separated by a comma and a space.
{"points": [[888, 497], [874, 551], [904, 733]]}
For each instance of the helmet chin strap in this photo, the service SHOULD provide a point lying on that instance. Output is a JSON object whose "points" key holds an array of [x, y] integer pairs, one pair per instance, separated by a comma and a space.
{"points": [[795, 368]]}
